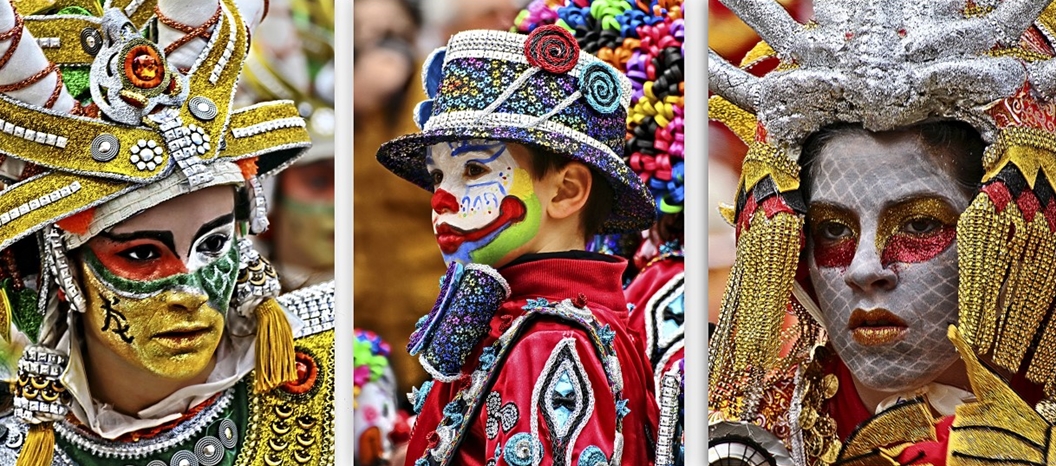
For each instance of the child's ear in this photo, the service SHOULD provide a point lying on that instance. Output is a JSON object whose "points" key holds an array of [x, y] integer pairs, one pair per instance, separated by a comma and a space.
{"points": [[572, 183]]}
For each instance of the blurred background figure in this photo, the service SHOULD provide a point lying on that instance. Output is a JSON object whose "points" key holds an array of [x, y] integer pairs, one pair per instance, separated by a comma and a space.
{"points": [[293, 58], [397, 266], [380, 427]]}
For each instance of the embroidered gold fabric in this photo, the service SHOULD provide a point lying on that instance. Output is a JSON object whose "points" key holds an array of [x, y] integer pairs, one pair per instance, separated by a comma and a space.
{"points": [[295, 429], [999, 428]]}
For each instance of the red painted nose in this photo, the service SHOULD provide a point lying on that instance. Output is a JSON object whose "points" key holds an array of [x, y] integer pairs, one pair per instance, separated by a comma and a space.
{"points": [[444, 201]]}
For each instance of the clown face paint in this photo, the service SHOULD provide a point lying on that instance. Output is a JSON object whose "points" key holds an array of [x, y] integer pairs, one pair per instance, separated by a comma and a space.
{"points": [[883, 257], [157, 285], [484, 202], [375, 418]]}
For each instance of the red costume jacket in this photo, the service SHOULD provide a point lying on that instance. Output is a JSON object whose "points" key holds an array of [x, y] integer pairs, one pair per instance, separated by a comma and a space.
{"points": [[557, 394]]}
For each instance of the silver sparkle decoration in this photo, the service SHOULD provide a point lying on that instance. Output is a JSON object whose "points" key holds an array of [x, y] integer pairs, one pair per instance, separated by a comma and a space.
{"points": [[884, 65], [107, 71]]}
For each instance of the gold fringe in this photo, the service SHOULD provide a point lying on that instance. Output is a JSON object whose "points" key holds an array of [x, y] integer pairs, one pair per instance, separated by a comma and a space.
{"points": [[276, 357], [39, 446], [1007, 278], [761, 51], [747, 343]]}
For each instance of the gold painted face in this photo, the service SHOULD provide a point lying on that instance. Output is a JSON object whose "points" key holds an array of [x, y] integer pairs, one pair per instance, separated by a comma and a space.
{"points": [[172, 333], [157, 286]]}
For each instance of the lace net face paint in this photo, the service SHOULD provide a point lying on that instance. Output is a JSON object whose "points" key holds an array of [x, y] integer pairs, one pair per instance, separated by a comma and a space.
{"points": [[157, 297], [882, 256], [484, 202]]}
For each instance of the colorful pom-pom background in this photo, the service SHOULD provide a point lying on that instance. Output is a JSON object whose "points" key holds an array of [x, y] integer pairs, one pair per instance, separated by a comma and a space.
{"points": [[643, 39], [370, 357]]}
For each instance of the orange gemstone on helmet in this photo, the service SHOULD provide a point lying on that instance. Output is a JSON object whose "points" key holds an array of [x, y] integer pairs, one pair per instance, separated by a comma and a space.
{"points": [[144, 67]]}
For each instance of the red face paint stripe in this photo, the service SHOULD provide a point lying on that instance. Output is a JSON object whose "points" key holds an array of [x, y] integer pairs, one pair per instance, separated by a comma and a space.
{"points": [[910, 249], [834, 254], [109, 254]]}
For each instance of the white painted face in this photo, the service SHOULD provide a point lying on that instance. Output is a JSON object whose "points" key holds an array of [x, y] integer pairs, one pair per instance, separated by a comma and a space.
{"points": [[375, 418], [883, 256], [481, 200]]}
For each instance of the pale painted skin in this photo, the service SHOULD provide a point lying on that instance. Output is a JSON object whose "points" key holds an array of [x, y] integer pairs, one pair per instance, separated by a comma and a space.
{"points": [[484, 202], [375, 417], [166, 273], [869, 180]]}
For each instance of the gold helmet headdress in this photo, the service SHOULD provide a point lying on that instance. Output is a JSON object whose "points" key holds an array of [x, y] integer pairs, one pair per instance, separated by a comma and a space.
{"points": [[106, 113], [887, 65]]}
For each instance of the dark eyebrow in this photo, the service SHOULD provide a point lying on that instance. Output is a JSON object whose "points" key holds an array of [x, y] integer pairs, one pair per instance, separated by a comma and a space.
{"points": [[212, 224], [165, 237]]}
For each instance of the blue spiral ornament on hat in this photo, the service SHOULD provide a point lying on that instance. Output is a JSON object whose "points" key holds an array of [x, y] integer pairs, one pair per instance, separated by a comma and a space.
{"points": [[601, 86]]}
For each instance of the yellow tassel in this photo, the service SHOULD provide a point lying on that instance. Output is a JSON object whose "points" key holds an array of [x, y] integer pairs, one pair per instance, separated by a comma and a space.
{"points": [[276, 358], [39, 446]]}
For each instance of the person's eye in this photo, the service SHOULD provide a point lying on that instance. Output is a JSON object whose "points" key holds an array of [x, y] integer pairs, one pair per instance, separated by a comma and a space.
{"points": [[834, 231], [921, 226], [438, 176], [475, 170], [213, 244], [143, 252]]}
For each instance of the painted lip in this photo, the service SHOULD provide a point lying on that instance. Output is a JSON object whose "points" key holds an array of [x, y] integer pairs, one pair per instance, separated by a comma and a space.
{"points": [[184, 336], [876, 327], [450, 238]]}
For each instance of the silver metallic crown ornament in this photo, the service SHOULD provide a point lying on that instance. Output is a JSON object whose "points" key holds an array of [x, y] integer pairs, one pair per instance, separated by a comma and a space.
{"points": [[882, 64]]}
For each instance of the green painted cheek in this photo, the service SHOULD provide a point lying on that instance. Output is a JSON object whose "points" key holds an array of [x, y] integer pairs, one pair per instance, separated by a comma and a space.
{"points": [[217, 279], [513, 237]]}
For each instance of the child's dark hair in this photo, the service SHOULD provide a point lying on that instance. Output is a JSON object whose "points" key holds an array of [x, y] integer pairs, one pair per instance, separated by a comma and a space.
{"points": [[599, 203]]}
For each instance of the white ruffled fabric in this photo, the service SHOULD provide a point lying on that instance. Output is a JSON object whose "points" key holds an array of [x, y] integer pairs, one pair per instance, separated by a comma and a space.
{"points": [[944, 399]]}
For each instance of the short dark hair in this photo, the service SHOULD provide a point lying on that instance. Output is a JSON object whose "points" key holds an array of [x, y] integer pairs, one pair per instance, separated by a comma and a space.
{"points": [[957, 150], [599, 201]]}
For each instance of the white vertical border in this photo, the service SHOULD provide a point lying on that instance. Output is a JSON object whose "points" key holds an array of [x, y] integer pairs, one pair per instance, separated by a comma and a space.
{"points": [[343, 414], [696, 147]]}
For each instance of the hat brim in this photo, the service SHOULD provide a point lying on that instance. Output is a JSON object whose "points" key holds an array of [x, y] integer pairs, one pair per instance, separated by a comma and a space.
{"points": [[633, 208]]}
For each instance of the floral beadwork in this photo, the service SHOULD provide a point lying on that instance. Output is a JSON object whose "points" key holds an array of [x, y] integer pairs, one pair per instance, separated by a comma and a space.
{"points": [[469, 297], [601, 87], [500, 415], [552, 48]]}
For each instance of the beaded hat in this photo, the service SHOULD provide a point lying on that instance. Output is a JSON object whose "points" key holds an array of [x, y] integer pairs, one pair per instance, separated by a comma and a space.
{"points": [[889, 65], [106, 113], [539, 90], [643, 40]]}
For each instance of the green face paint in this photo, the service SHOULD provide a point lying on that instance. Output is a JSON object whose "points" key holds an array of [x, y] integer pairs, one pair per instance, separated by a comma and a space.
{"points": [[513, 237], [216, 279]]}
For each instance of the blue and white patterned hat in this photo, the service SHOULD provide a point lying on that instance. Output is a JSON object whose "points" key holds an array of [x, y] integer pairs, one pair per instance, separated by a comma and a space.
{"points": [[538, 90]]}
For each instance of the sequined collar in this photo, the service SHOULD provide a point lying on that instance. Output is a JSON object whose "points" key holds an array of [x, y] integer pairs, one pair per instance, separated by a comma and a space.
{"points": [[213, 427]]}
